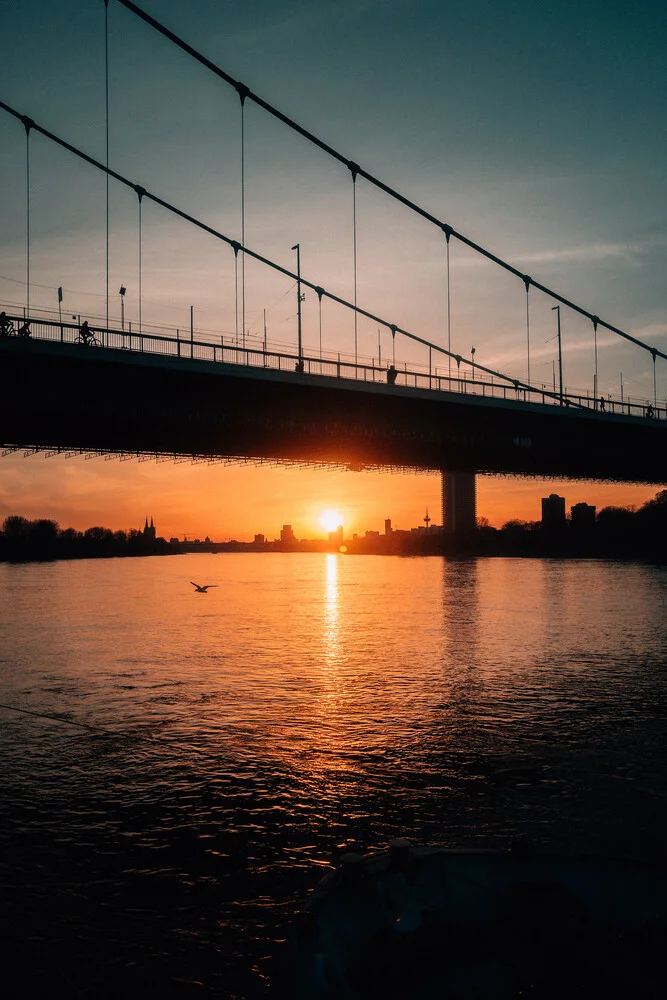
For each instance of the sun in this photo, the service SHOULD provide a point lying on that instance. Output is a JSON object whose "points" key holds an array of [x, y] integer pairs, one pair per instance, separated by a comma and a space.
{"points": [[330, 519]]}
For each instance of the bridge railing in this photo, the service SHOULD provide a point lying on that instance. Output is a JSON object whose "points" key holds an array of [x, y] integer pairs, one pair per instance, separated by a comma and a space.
{"points": [[336, 367]]}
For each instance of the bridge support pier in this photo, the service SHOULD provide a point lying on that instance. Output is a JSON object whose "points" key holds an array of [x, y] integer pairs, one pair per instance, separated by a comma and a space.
{"points": [[459, 503]]}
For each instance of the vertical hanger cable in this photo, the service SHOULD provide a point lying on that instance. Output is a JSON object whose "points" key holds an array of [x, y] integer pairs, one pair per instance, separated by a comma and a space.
{"points": [[27, 123], [140, 193], [243, 219], [236, 293], [354, 259], [527, 282], [106, 120], [449, 308]]}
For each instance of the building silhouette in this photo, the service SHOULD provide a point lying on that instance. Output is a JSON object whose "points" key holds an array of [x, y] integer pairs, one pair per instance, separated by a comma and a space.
{"points": [[149, 531], [287, 536], [582, 515], [459, 502], [553, 511]]}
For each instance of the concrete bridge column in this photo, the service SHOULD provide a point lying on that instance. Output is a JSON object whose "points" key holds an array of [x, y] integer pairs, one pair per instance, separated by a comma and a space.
{"points": [[459, 502]]}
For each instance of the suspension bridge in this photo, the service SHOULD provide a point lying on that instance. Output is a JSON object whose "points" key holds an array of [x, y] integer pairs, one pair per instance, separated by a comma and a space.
{"points": [[167, 393]]}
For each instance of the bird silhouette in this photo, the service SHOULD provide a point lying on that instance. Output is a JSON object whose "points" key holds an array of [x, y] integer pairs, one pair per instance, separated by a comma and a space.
{"points": [[202, 590]]}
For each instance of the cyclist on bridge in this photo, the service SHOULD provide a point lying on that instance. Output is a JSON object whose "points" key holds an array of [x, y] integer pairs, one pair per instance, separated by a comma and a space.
{"points": [[6, 325], [85, 333]]}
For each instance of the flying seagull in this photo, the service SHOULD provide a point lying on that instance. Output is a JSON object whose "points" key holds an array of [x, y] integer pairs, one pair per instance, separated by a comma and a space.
{"points": [[202, 590]]}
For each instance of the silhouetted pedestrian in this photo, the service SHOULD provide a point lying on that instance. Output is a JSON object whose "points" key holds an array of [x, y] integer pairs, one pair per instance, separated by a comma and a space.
{"points": [[298, 367], [649, 411], [391, 375], [602, 404]]}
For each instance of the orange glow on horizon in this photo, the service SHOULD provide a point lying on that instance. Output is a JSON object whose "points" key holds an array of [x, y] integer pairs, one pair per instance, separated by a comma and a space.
{"points": [[226, 503]]}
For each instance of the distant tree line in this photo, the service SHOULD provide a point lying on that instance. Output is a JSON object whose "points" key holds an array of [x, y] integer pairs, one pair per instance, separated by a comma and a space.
{"points": [[22, 540], [617, 532]]}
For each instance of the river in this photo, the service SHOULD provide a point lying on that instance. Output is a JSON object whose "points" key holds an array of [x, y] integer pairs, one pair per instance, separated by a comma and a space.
{"points": [[236, 739]]}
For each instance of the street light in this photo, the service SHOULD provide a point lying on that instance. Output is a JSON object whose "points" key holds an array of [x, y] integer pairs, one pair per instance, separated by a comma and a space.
{"points": [[556, 309], [121, 292], [297, 247]]}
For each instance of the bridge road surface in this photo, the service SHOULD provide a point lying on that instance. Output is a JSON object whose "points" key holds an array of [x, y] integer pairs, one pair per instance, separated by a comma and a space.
{"points": [[73, 397]]}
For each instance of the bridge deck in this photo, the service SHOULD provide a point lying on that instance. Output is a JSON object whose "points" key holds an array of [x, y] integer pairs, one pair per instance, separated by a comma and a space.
{"points": [[146, 396]]}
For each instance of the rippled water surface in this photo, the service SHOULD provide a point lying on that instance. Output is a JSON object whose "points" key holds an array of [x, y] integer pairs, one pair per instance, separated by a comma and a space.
{"points": [[237, 738]]}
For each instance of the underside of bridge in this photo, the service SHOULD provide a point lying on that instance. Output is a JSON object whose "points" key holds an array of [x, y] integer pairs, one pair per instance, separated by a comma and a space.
{"points": [[76, 398]]}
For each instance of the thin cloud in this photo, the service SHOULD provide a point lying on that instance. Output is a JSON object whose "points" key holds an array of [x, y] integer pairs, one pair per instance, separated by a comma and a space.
{"points": [[591, 252]]}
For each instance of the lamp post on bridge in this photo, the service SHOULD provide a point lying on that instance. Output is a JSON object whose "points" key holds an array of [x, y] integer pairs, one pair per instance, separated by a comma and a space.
{"points": [[121, 292], [556, 309], [299, 364]]}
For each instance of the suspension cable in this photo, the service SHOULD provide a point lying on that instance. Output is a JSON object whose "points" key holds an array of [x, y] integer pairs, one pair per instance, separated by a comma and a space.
{"points": [[234, 244], [368, 176]]}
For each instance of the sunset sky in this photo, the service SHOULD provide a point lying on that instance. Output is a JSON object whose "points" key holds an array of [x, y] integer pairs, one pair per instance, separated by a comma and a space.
{"points": [[536, 130]]}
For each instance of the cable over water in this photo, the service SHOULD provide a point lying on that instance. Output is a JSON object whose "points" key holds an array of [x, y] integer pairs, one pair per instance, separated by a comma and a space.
{"points": [[356, 170], [237, 247]]}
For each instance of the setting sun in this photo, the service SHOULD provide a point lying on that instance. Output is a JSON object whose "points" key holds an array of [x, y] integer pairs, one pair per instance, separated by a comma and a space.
{"points": [[330, 519]]}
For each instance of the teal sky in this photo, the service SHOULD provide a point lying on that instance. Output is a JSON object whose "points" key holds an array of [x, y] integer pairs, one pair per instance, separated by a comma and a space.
{"points": [[536, 130]]}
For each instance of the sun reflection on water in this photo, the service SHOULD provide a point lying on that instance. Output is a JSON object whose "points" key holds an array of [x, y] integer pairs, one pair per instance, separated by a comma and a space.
{"points": [[331, 629]]}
